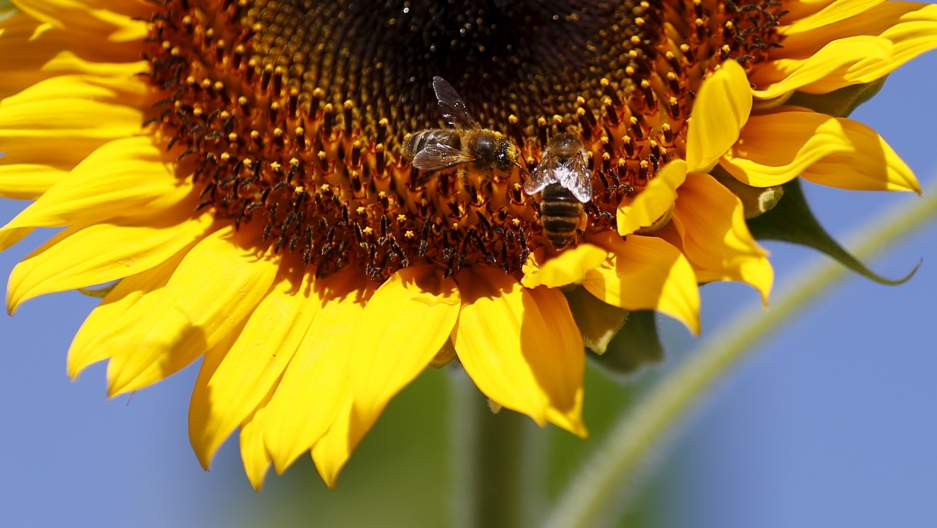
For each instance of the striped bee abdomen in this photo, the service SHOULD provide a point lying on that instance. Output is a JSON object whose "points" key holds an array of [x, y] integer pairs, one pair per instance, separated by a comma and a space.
{"points": [[559, 215], [433, 136]]}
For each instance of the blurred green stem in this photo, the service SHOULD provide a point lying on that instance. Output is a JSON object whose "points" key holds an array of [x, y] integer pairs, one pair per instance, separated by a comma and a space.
{"points": [[633, 441], [487, 460]]}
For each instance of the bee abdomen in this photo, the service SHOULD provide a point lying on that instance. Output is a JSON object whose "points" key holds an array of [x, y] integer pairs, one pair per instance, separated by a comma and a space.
{"points": [[559, 215], [419, 140]]}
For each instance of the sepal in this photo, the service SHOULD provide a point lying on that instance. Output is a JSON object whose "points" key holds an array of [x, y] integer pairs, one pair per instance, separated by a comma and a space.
{"points": [[756, 201], [793, 221], [635, 345], [838, 103]]}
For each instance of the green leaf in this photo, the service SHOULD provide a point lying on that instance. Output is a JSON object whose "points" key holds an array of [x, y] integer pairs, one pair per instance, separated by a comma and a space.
{"points": [[792, 221], [636, 344], [838, 103]]}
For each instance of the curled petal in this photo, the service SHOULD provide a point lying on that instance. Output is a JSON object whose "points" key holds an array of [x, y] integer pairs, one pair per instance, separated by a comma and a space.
{"points": [[832, 13], [568, 267], [654, 201], [839, 152], [720, 111], [911, 27]]}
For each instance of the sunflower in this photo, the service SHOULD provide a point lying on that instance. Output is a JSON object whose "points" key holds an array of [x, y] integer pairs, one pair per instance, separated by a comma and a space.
{"points": [[232, 171]]}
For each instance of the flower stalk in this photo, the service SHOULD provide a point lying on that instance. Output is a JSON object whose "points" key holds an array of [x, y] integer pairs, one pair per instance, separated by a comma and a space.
{"points": [[488, 460], [632, 443]]}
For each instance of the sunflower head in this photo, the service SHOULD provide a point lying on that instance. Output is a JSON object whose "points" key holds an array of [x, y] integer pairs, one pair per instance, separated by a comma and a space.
{"points": [[294, 115]]}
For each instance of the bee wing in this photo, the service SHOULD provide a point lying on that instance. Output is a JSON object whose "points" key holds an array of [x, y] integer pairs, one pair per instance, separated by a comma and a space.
{"points": [[452, 106], [540, 177], [439, 156], [577, 179]]}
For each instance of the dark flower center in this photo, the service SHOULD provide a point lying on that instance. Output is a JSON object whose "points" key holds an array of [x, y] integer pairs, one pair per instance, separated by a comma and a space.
{"points": [[293, 113]]}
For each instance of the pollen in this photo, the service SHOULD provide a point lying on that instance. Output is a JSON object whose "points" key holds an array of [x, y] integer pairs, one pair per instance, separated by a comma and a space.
{"points": [[291, 114]]}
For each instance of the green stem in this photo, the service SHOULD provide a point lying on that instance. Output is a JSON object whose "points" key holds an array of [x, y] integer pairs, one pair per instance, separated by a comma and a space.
{"points": [[488, 463], [631, 443]]}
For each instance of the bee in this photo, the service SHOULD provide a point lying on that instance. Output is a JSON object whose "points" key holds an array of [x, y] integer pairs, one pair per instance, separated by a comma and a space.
{"points": [[566, 183], [475, 150]]}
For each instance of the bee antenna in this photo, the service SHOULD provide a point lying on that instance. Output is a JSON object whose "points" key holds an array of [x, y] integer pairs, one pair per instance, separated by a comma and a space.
{"points": [[521, 167]]}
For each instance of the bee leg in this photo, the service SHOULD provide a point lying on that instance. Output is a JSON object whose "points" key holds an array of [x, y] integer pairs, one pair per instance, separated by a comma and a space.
{"points": [[463, 176]]}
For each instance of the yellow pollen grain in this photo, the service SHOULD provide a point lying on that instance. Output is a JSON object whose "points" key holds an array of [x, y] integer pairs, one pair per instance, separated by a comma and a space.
{"points": [[368, 231], [409, 234], [275, 165]]}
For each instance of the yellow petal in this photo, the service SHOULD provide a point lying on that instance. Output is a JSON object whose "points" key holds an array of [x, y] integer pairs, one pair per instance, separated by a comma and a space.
{"points": [[568, 267], [67, 118], [335, 448], [9, 237], [597, 321], [100, 253], [315, 384], [122, 178], [834, 12], [28, 181], [254, 454], [254, 364], [49, 150], [121, 89], [720, 111], [656, 200], [855, 50], [522, 349], [840, 63], [717, 240], [646, 273], [30, 53], [104, 21], [193, 312], [911, 27], [407, 321], [839, 152], [142, 288], [805, 8]]}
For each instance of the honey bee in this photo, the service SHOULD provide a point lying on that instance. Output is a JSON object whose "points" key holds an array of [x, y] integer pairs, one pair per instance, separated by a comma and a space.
{"points": [[477, 151], [566, 183]]}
